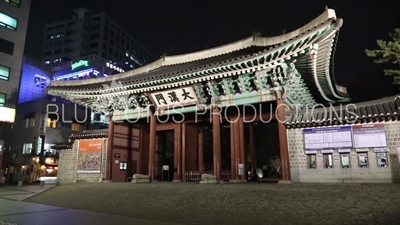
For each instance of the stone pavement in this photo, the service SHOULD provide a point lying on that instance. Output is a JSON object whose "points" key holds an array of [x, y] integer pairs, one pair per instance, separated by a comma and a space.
{"points": [[13, 211], [241, 203]]}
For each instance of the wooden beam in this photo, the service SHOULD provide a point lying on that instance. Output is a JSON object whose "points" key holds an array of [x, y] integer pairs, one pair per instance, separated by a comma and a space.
{"points": [[242, 150], [233, 162], [252, 151], [216, 124], [152, 147], [183, 163], [110, 146], [283, 145], [178, 153]]}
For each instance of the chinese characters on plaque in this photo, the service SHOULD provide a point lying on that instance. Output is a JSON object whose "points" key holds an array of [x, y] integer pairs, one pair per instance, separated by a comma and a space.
{"points": [[174, 98]]}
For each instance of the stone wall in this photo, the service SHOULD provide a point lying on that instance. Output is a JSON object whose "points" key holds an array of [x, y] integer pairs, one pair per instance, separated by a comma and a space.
{"points": [[67, 166], [354, 174]]}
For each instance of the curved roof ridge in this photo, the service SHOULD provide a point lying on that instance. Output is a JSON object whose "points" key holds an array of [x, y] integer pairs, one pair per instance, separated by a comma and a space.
{"points": [[208, 53], [357, 104]]}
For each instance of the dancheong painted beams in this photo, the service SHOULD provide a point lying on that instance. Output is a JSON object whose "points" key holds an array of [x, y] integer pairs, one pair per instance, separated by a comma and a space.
{"points": [[296, 66]]}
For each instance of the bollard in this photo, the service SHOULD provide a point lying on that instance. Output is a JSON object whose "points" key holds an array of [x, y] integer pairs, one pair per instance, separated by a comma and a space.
{"points": [[41, 183], [20, 183]]}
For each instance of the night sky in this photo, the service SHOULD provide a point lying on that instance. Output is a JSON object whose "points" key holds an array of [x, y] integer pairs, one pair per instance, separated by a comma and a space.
{"points": [[176, 27]]}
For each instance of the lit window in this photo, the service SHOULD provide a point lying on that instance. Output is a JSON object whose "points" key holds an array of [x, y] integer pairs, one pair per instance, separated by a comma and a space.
{"points": [[16, 3], [30, 122], [4, 72], [27, 148], [52, 123], [3, 98], [363, 160], [345, 160], [381, 157], [328, 161], [123, 165], [76, 127], [8, 21], [312, 161]]}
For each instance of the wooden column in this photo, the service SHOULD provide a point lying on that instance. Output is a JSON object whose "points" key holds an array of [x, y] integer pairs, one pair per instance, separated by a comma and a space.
{"points": [[140, 162], [233, 152], [216, 124], [252, 151], [183, 163], [178, 153], [200, 148], [237, 149], [283, 145], [152, 147], [110, 146], [242, 150]]}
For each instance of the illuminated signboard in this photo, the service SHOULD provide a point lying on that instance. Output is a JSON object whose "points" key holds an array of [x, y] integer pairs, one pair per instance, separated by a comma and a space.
{"points": [[369, 136], [79, 64], [7, 115], [174, 98], [327, 138]]}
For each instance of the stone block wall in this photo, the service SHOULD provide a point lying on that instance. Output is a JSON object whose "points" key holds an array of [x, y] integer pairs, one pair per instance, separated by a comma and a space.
{"points": [[67, 166], [354, 174]]}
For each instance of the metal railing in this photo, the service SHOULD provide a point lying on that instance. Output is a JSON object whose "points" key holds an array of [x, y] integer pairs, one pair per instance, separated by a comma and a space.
{"points": [[195, 176]]}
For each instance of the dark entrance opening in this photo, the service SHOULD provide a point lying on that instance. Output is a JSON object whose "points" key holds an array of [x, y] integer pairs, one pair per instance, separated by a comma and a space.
{"points": [[265, 138], [164, 161]]}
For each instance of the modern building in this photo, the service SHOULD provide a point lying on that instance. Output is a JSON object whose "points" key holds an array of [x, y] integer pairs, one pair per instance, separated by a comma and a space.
{"points": [[250, 100], [43, 123], [33, 104], [13, 26], [92, 34]]}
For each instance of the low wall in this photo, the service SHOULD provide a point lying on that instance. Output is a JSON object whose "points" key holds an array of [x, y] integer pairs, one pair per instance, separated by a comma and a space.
{"points": [[67, 166], [372, 174]]}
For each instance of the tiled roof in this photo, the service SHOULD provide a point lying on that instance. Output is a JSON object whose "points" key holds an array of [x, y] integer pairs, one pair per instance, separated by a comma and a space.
{"points": [[90, 134], [385, 109], [198, 62]]}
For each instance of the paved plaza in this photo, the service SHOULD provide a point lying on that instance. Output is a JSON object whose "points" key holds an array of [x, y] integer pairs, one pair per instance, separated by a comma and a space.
{"points": [[249, 203]]}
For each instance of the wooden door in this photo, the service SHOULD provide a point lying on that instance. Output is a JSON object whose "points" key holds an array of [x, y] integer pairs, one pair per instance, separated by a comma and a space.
{"points": [[190, 148]]}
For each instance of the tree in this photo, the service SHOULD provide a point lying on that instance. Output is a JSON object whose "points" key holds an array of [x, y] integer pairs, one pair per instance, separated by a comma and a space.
{"points": [[389, 52]]}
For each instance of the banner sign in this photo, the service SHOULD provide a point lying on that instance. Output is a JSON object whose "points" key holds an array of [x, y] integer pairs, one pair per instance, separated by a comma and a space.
{"points": [[89, 156]]}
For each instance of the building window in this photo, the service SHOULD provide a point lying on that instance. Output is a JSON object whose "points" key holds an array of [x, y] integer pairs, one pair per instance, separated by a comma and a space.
{"points": [[4, 72], [76, 127], [328, 161], [6, 46], [312, 161], [363, 160], [52, 123], [8, 21], [27, 148], [345, 160], [123, 165], [381, 157], [16, 3], [3, 97], [30, 122]]}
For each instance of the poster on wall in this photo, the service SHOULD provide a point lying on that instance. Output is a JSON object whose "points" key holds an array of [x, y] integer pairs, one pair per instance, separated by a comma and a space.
{"points": [[89, 156], [369, 136], [327, 137]]}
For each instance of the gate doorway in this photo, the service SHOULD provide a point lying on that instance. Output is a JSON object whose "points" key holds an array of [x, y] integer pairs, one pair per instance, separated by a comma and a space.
{"points": [[263, 151], [164, 156]]}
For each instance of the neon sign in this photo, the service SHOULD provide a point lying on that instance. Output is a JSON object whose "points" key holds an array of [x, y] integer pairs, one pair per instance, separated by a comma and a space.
{"points": [[79, 64]]}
